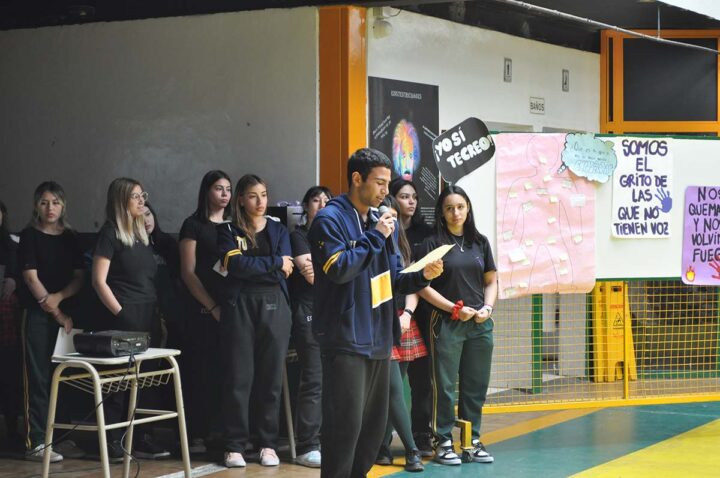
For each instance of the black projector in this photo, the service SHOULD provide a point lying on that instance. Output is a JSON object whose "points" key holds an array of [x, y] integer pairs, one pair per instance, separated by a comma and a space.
{"points": [[111, 343]]}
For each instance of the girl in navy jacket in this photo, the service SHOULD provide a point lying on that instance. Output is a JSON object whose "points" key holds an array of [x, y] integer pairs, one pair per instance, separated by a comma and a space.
{"points": [[254, 321]]}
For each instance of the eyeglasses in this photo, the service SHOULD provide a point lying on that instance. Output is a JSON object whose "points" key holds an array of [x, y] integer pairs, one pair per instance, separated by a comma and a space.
{"points": [[136, 196]]}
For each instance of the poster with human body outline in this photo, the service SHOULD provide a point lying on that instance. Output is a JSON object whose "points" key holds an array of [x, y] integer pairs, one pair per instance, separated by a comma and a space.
{"points": [[545, 218]]}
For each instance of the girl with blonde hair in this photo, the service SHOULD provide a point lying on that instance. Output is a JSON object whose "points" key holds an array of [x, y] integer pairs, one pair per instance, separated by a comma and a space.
{"points": [[123, 273]]}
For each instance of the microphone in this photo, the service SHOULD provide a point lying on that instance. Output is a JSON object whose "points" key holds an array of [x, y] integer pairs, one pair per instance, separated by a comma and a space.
{"points": [[382, 210]]}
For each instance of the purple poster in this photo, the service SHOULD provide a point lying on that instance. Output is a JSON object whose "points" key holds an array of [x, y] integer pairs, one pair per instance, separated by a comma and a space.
{"points": [[701, 237]]}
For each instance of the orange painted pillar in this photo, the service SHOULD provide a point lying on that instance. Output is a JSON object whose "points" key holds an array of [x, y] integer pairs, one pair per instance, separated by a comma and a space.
{"points": [[343, 91]]}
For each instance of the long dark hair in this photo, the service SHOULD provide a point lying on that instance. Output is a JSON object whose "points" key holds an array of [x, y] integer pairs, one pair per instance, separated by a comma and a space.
{"points": [[470, 232], [395, 186], [239, 216], [4, 228], [164, 244], [203, 209], [157, 228], [403, 243]]}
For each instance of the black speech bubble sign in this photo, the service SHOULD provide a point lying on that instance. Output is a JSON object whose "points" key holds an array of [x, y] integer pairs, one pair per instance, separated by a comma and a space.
{"points": [[462, 149]]}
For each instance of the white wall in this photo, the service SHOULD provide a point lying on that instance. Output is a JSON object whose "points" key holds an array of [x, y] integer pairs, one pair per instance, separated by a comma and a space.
{"points": [[161, 100], [706, 7], [467, 65]]}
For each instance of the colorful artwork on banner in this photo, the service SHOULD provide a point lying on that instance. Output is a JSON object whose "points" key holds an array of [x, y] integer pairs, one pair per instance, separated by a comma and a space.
{"points": [[701, 236], [545, 218], [403, 118], [642, 188]]}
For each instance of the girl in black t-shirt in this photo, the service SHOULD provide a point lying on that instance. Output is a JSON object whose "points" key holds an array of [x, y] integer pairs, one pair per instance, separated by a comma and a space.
{"points": [[308, 412], [123, 272], [52, 272], [198, 254], [254, 322], [461, 338]]}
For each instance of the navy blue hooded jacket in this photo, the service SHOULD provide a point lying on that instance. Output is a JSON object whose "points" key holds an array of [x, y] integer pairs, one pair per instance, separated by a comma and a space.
{"points": [[244, 269], [356, 273]]}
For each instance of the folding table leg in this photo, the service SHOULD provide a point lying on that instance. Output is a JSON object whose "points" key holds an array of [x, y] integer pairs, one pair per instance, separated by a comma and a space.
{"points": [[180, 408], [100, 415], [51, 421], [131, 426]]}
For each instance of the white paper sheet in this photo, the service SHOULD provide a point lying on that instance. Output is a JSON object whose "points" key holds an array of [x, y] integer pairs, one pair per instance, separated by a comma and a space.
{"points": [[431, 256], [64, 343], [219, 269]]}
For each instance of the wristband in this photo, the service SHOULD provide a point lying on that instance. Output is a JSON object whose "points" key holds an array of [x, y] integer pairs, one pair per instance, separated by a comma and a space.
{"points": [[409, 311], [488, 306], [456, 310], [213, 308]]}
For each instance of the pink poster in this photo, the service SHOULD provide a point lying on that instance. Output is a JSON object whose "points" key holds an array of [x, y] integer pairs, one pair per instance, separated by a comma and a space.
{"points": [[545, 218], [701, 237]]}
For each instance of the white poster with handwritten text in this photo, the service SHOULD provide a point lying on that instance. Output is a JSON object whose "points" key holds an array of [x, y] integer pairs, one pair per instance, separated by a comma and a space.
{"points": [[642, 188]]}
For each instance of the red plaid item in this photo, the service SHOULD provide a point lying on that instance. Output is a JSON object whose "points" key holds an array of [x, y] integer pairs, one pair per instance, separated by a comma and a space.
{"points": [[412, 345], [8, 321]]}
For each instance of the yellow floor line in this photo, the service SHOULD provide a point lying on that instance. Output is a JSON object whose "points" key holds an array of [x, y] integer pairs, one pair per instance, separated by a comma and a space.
{"points": [[534, 424], [502, 434], [690, 454]]}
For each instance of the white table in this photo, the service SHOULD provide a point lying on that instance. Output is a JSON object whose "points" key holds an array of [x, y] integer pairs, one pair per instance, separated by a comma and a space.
{"points": [[114, 377]]}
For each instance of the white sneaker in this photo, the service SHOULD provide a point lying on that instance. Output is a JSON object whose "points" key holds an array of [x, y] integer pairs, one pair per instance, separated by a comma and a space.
{"points": [[445, 454], [268, 457], [480, 454], [234, 460], [38, 454], [311, 459]]}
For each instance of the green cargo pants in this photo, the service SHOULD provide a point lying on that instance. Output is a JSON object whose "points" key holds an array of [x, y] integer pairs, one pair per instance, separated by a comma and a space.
{"points": [[464, 350]]}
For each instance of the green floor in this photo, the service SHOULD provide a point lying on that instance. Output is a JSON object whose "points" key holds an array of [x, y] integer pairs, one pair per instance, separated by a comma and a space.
{"points": [[577, 445]]}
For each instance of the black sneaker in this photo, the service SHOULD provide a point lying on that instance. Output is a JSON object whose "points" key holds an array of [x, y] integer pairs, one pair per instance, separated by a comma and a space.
{"points": [[413, 462], [384, 456], [115, 451], [445, 454], [480, 454], [69, 449], [424, 444], [145, 448]]}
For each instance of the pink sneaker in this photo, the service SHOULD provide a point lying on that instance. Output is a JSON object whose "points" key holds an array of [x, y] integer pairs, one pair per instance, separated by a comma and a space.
{"points": [[234, 459], [268, 457]]}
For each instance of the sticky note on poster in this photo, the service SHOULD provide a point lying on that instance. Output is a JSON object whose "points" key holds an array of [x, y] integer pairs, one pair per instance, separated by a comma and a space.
{"points": [[589, 157]]}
